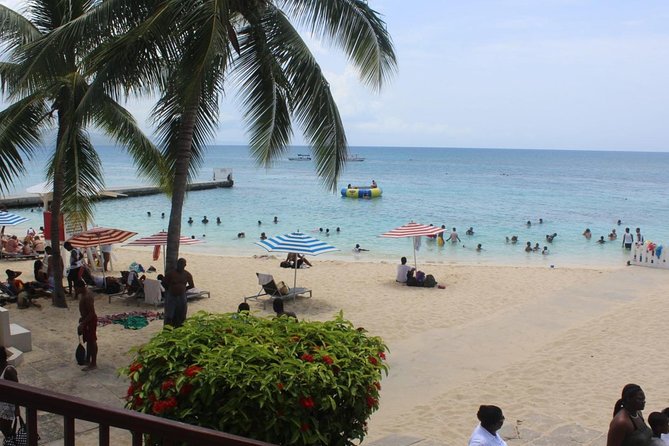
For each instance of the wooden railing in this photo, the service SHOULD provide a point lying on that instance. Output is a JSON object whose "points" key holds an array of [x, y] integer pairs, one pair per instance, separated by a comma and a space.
{"points": [[138, 424]]}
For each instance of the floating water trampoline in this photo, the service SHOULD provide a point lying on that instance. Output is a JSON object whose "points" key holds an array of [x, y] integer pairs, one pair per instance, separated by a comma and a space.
{"points": [[361, 192]]}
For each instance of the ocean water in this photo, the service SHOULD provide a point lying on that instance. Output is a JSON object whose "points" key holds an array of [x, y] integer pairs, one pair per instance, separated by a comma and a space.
{"points": [[495, 191]]}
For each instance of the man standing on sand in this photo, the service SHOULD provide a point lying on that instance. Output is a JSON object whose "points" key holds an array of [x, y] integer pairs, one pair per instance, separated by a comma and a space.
{"points": [[177, 283], [88, 328]]}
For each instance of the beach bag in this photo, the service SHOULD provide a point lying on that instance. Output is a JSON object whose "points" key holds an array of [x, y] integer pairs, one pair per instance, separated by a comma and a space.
{"points": [[19, 435], [282, 288], [23, 300], [420, 277], [80, 353], [430, 281]]}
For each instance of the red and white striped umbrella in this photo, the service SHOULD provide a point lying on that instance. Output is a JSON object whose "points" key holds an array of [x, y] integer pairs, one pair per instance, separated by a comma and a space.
{"points": [[161, 239], [415, 230], [100, 236]]}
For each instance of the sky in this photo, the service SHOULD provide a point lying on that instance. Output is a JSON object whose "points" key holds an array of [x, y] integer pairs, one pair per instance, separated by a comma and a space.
{"points": [[553, 74]]}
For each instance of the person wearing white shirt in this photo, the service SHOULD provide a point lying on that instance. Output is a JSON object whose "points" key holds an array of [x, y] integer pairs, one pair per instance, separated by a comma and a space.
{"points": [[485, 434], [628, 239], [402, 270]]}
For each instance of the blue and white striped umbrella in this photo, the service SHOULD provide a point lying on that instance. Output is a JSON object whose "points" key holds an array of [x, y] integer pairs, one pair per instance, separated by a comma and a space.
{"points": [[298, 243], [9, 219]]}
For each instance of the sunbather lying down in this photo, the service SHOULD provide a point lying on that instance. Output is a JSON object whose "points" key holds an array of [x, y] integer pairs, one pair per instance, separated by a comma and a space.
{"points": [[293, 259]]}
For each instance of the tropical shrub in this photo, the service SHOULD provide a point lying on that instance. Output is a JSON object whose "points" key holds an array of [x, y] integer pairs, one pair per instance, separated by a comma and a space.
{"points": [[274, 380]]}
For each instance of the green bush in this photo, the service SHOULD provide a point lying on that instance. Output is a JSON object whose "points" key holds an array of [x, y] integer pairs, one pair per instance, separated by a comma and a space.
{"points": [[274, 380]]}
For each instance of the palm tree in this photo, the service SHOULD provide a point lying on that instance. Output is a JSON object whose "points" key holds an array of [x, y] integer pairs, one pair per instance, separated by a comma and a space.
{"points": [[50, 91], [191, 49]]}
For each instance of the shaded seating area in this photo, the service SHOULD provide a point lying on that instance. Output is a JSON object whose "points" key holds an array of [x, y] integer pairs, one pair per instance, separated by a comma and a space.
{"points": [[269, 290]]}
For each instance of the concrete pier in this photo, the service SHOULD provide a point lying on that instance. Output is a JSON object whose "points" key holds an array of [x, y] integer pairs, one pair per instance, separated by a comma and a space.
{"points": [[32, 200]]}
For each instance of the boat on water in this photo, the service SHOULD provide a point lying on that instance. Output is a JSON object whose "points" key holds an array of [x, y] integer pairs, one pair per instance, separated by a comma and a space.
{"points": [[355, 157], [300, 157]]}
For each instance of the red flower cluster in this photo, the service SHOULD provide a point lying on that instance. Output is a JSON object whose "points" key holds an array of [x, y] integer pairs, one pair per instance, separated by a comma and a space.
{"points": [[137, 402], [327, 360], [377, 385], [279, 386], [161, 406], [192, 370], [307, 357], [373, 360], [186, 389], [305, 427], [135, 367], [371, 401], [167, 385], [307, 402], [131, 389], [382, 355]]}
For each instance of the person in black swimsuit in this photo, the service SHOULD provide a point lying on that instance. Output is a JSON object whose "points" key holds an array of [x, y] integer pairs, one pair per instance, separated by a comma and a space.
{"points": [[628, 427]]}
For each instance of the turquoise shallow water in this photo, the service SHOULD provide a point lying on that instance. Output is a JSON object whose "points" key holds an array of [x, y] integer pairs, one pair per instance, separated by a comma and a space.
{"points": [[495, 191]]}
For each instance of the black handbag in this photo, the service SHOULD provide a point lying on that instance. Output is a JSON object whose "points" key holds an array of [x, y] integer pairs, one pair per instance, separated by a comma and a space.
{"points": [[80, 353], [19, 435]]}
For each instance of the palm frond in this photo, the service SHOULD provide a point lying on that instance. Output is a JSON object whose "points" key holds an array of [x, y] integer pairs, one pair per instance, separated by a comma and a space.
{"points": [[21, 127], [117, 122], [15, 29], [312, 103], [357, 29], [193, 87], [264, 92], [82, 172]]}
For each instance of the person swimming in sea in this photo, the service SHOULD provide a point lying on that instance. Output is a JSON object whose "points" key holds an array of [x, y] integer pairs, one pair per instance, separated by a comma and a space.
{"points": [[359, 249], [276, 219], [470, 231], [190, 220], [205, 220], [549, 238], [218, 220]]}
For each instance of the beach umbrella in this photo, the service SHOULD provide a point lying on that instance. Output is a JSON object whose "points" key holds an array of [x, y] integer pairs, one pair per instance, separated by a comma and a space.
{"points": [[99, 236], [414, 230], [160, 239], [296, 243], [9, 219]]}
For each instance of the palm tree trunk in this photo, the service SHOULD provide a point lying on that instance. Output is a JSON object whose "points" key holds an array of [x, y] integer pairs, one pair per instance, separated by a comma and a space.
{"points": [[58, 187], [181, 167]]}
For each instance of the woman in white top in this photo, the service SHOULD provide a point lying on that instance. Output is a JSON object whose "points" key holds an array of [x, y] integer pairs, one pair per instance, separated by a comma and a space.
{"points": [[485, 434]]}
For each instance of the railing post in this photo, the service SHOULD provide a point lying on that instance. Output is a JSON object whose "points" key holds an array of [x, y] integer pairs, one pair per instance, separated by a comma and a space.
{"points": [[137, 439], [104, 435], [68, 431], [31, 420]]}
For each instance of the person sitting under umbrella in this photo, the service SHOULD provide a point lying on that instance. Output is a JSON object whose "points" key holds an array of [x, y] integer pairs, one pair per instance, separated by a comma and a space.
{"points": [[293, 259]]}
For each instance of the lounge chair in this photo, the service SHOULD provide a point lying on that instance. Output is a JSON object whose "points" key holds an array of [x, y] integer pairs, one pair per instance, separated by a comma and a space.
{"points": [[194, 293], [269, 288], [19, 256]]}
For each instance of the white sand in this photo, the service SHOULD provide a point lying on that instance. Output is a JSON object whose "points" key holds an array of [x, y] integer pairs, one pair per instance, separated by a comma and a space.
{"points": [[558, 343]]}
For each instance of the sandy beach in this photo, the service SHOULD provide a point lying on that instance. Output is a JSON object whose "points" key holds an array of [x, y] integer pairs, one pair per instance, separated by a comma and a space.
{"points": [[552, 347]]}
